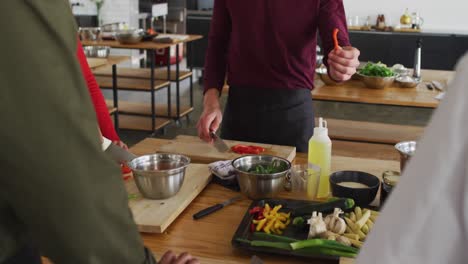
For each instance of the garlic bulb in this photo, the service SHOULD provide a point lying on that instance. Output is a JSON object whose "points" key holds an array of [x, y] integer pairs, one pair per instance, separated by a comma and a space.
{"points": [[335, 223], [317, 225]]}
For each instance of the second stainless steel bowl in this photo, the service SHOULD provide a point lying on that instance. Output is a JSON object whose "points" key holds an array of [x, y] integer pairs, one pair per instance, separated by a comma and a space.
{"points": [[259, 186], [159, 176], [96, 51], [377, 82], [90, 33]]}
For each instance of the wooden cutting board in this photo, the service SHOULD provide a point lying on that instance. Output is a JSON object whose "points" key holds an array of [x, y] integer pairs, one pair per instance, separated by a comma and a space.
{"points": [[154, 216], [96, 62], [202, 152]]}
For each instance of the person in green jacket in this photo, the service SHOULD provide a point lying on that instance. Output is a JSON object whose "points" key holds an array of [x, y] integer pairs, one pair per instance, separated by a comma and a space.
{"points": [[59, 194]]}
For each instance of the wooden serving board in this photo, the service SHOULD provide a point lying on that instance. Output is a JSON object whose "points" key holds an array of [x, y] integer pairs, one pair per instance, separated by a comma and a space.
{"points": [[202, 152], [154, 216], [96, 62]]}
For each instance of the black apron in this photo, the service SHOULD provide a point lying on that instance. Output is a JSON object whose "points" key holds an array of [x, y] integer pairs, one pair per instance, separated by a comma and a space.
{"points": [[272, 116]]}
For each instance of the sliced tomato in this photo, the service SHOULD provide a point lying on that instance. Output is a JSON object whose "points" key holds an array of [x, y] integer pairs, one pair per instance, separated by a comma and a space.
{"points": [[125, 169]]}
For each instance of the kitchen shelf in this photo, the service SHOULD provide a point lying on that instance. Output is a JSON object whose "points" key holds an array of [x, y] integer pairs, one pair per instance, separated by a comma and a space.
{"points": [[159, 74], [126, 107], [131, 84], [141, 123]]}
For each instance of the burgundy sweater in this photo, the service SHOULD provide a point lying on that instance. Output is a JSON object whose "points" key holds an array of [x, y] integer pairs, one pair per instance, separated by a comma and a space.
{"points": [[270, 43]]}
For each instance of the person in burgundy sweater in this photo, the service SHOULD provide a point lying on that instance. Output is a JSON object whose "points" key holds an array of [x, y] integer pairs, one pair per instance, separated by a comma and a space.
{"points": [[267, 51], [102, 113]]}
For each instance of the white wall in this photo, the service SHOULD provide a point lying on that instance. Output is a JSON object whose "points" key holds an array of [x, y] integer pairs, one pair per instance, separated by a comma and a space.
{"points": [[112, 11], [439, 15]]}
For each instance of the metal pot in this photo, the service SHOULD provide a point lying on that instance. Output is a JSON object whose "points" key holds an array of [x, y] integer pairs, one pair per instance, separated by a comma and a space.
{"points": [[112, 27], [259, 186], [159, 176], [406, 150], [129, 36], [90, 33], [96, 51]]}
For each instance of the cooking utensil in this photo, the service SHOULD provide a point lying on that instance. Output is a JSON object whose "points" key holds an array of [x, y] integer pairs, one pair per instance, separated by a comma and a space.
{"points": [[215, 207], [406, 81], [406, 150], [129, 36], [200, 152], [96, 51], [159, 176], [219, 144], [377, 82], [115, 152], [90, 33], [257, 186]]}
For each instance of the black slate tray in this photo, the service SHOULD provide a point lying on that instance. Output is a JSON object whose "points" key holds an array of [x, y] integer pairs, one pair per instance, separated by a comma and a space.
{"points": [[243, 231]]}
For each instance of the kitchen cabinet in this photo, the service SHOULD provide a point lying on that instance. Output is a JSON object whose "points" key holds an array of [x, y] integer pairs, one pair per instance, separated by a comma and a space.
{"points": [[198, 24], [439, 52]]}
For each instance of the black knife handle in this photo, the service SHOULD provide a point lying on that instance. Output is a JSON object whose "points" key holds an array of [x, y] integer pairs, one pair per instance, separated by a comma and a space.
{"points": [[207, 211]]}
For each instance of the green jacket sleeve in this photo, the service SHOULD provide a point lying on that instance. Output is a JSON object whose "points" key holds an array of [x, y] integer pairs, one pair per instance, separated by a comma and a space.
{"points": [[61, 191]]}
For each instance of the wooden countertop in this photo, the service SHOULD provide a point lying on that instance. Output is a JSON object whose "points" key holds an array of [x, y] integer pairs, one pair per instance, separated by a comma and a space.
{"points": [[355, 91], [146, 45], [209, 239], [97, 63]]}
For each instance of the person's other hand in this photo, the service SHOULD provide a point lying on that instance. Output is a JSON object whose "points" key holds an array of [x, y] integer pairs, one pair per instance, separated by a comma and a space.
{"points": [[211, 117], [343, 63], [185, 258], [121, 144]]}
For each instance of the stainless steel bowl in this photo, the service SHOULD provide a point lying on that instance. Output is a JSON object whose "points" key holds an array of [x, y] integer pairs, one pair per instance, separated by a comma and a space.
{"points": [[129, 36], [159, 176], [406, 150], [96, 51], [323, 74], [377, 82], [259, 186], [406, 82], [90, 33], [112, 27]]}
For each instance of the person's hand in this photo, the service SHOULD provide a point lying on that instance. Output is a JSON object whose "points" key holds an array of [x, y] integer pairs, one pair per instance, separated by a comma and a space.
{"points": [[185, 258], [121, 144], [343, 63], [211, 117]]}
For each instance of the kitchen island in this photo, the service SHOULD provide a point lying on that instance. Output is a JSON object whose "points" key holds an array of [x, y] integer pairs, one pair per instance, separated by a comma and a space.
{"points": [[209, 239]]}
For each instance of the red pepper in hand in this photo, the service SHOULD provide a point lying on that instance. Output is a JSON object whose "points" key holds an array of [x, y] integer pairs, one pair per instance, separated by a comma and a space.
{"points": [[335, 38]]}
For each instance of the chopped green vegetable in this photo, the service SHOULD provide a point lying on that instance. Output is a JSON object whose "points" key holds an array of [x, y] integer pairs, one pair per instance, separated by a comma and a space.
{"points": [[376, 70], [325, 208], [324, 243], [298, 221], [268, 169]]}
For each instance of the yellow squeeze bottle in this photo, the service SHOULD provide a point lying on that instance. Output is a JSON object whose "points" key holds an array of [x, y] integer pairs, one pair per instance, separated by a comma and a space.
{"points": [[320, 154]]}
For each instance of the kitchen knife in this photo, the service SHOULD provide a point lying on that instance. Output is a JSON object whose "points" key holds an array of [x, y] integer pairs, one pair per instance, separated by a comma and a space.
{"points": [[115, 152], [219, 144], [215, 208]]}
